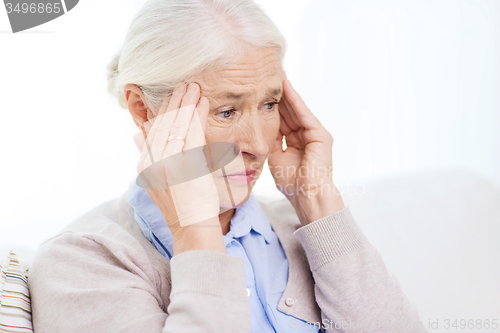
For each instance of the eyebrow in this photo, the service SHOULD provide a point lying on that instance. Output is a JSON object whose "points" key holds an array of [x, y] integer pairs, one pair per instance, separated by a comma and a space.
{"points": [[232, 95]]}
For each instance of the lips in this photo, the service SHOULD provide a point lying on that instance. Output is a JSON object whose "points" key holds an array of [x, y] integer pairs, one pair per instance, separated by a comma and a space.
{"points": [[246, 173], [242, 177]]}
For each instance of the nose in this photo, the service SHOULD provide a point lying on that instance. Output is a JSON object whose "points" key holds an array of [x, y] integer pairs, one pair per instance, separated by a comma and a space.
{"points": [[251, 138]]}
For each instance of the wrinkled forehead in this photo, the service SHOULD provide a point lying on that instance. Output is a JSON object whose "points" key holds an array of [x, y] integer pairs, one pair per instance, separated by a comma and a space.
{"points": [[257, 73]]}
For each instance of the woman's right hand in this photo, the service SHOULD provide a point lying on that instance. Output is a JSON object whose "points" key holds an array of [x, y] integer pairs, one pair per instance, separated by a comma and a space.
{"points": [[190, 206]]}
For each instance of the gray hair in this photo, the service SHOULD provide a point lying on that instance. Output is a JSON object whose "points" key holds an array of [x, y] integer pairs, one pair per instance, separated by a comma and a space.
{"points": [[170, 41]]}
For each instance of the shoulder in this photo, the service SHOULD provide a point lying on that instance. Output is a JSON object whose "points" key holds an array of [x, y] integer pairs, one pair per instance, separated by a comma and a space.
{"points": [[279, 211], [96, 263], [111, 221], [105, 240]]}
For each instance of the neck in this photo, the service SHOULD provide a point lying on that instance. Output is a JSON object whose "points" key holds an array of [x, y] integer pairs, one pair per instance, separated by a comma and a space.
{"points": [[225, 220]]}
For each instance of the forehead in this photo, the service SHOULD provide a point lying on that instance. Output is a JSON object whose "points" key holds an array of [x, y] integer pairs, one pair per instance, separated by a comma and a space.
{"points": [[258, 71]]}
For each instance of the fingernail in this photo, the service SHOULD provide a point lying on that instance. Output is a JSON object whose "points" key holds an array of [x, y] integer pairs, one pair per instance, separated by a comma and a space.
{"points": [[192, 87]]}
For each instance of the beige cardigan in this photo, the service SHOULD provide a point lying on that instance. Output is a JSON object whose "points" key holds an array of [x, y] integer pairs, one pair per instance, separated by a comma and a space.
{"points": [[100, 274]]}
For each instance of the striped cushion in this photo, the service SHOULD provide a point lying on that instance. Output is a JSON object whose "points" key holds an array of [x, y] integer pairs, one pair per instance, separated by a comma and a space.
{"points": [[15, 304]]}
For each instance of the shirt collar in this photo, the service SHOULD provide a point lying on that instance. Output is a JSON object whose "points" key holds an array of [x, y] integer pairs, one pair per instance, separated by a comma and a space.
{"points": [[150, 216], [248, 216], [139, 199]]}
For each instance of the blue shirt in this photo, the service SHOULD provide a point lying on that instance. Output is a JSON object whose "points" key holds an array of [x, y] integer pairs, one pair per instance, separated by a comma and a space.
{"points": [[251, 238]]}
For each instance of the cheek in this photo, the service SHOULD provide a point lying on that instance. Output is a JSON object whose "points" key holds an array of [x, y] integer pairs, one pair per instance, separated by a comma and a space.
{"points": [[269, 127], [215, 132]]}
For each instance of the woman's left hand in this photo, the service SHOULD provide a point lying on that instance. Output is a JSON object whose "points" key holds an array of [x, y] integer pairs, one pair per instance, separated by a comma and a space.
{"points": [[303, 172]]}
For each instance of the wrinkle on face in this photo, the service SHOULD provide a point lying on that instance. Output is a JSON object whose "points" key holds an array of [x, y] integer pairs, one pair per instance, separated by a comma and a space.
{"points": [[245, 90]]}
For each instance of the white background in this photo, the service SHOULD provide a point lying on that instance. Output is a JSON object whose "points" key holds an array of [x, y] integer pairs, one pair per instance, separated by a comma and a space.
{"points": [[402, 86]]}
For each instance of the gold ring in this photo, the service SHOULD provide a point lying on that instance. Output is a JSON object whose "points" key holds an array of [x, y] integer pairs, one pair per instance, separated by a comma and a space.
{"points": [[175, 138]]}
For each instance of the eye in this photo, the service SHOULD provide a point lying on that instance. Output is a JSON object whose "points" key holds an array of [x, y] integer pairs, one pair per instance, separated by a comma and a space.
{"points": [[270, 106], [226, 114]]}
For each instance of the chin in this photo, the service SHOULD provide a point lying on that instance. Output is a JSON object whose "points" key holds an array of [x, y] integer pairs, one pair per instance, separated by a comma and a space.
{"points": [[232, 194]]}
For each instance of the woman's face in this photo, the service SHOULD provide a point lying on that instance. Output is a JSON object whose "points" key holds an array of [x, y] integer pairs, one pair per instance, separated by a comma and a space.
{"points": [[243, 100]]}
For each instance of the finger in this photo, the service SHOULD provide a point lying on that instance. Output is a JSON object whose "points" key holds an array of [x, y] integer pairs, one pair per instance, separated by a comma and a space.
{"points": [[295, 139], [291, 114], [144, 129], [284, 128], [165, 120], [180, 127], [284, 111], [146, 126], [196, 133], [176, 98], [142, 143], [298, 109], [169, 103]]}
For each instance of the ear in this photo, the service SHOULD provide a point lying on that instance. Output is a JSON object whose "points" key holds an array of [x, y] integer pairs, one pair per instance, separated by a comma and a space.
{"points": [[138, 107]]}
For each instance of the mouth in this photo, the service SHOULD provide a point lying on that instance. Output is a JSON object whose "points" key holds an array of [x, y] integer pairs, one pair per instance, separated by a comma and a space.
{"points": [[242, 177]]}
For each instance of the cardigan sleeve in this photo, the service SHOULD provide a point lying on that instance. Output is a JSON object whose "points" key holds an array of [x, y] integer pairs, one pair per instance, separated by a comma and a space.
{"points": [[353, 287], [93, 283]]}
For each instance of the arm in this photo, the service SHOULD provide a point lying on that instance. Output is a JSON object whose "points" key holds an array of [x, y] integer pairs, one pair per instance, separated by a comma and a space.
{"points": [[105, 282], [352, 284], [93, 283]]}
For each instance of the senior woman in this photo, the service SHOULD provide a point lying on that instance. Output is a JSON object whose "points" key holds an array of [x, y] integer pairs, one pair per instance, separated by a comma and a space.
{"points": [[188, 248]]}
